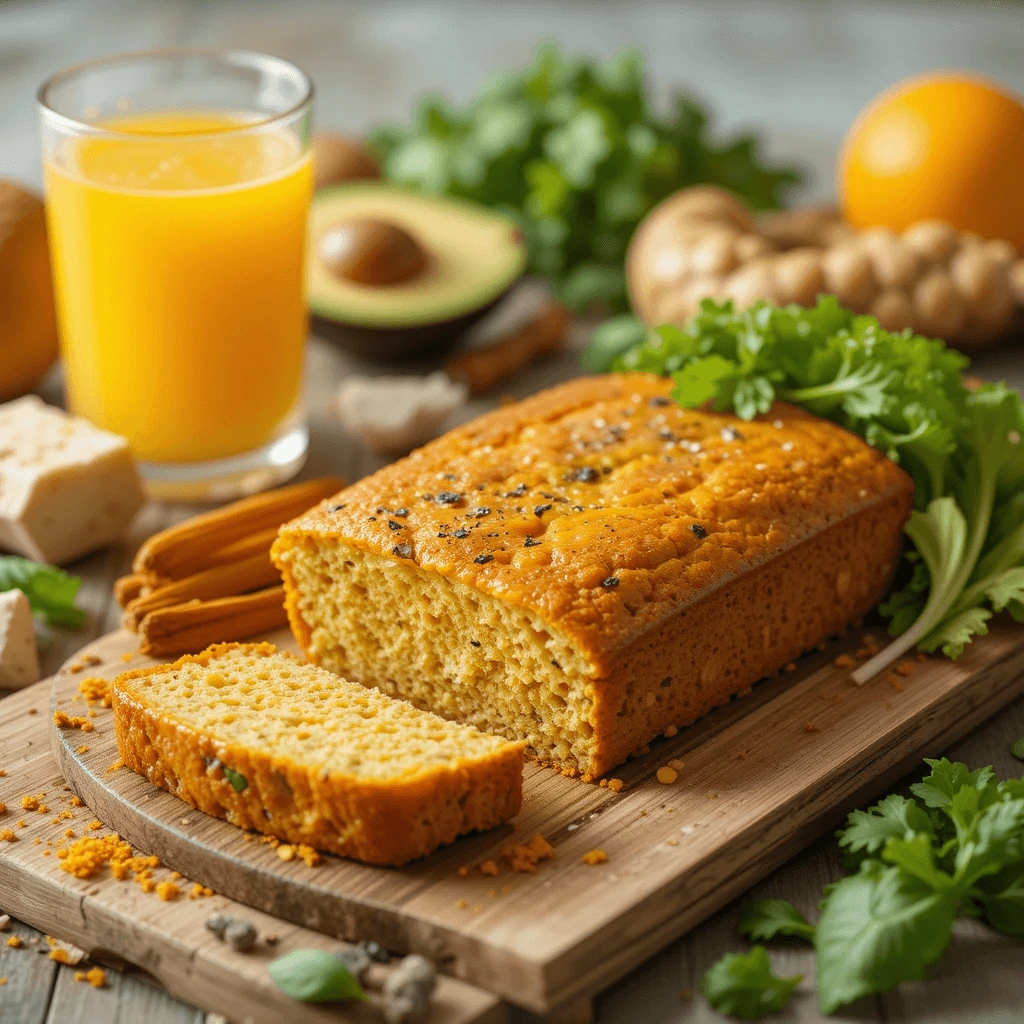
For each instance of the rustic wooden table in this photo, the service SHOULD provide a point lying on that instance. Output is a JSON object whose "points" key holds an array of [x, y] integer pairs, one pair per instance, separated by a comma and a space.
{"points": [[814, 66]]}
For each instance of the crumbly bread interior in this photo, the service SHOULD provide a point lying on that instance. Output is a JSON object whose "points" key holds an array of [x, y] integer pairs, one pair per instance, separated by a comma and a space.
{"points": [[276, 703], [447, 647]]}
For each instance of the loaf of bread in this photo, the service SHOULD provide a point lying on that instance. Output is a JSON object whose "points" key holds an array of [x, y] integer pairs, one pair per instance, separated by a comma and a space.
{"points": [[278, 745], [592, 566]]}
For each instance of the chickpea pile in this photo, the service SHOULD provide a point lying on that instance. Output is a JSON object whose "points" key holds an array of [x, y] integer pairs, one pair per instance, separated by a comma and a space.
{"points": [[703, 242]]}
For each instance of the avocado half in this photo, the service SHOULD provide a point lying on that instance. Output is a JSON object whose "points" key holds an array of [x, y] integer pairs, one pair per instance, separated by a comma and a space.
{"points": [[472, 257]]}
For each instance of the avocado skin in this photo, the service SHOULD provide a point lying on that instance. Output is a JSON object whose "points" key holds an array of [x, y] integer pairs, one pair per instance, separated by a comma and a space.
{"points": [[402, 344]]}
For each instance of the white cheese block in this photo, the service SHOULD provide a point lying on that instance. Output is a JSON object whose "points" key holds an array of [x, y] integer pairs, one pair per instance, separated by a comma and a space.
{"points": [[66, 487], [19, 662]]}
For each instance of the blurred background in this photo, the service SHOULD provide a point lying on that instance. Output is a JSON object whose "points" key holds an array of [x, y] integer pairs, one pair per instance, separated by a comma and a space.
{"points": [[799, 72]]}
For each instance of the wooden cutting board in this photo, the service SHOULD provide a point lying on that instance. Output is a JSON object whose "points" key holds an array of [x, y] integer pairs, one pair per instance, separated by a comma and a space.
{"points": [[762, 778], [116, 921]]}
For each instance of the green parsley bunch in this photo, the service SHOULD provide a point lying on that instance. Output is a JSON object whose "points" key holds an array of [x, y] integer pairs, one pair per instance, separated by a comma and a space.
{"points": [[905, 395], [573, 149]]}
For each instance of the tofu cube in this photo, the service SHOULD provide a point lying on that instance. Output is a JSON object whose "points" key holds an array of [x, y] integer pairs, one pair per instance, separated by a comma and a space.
{"points": [[19, 662], [66, 487]]}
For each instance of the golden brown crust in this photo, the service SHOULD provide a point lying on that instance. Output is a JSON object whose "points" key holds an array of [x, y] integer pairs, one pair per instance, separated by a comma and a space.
{"points": [[634, 509], [380, 822]]}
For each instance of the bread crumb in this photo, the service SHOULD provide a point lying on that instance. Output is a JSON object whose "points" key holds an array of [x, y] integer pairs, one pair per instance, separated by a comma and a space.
{"points": [[3, 981], [83, 749], [96, 976], [461, 904], [77, 801], [286, 851], [127, 656], [676, 765], [489, 867], [198, 891], [844, 661], [175, 876], [615, 785], [65, 721], [96, 690], [32, 803], [594, 857], [524, 858], [671, 731], [95, 825], [791, 667], [117, 765], [810, 727], [15, 941], [603, 783], [905, 668], [7, 836], [3, 807], [310, 857], [167, 891], [462, 871], [743, 755], [712, 795], [666, 776], [922, 657]]}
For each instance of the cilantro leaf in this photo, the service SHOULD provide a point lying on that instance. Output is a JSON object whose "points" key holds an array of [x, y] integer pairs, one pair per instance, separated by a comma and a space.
{"points": [[946, 779], [743, 986], [574, 150], [50, 591], [878, 928], [764, 919], [1017, 749], [895, 817]]}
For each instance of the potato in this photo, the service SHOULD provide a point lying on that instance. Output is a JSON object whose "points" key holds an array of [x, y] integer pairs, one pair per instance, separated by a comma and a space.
{"points": [[893, 309], [798, 276], [754, 281], [939, 310], [850, 277], [932, 240], [984, 283]]}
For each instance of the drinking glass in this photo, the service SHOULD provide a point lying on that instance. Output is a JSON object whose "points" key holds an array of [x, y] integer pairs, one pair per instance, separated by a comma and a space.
{"points": [[178, 185]]}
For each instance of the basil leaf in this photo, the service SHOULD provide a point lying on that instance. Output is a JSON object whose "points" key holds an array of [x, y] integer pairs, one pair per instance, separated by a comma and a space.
{"points": [[314, 976], [50, 591]]}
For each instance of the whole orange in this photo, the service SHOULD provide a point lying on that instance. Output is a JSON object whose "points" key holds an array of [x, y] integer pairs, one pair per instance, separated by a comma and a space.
{"points": [[944, 146]]}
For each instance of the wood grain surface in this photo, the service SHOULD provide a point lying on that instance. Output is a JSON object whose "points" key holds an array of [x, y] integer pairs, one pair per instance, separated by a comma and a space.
{"points": [[117, 920], [759, 782]]}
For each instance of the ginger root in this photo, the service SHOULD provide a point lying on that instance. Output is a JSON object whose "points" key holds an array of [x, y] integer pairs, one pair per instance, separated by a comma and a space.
{"points": [[703, 242]]}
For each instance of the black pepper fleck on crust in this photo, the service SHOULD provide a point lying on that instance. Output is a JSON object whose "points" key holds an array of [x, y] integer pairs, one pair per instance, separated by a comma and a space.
{"points": [[699, 531], [666, 682], [474, 643], [461, 532], [400, 512], [483, 559], [402, 550], [610, 581], [583, 475], [335, 508], [539, 510], [480, 512], [518, 492], [659, 400], [449, 498], [395, 526], [531, 542]]}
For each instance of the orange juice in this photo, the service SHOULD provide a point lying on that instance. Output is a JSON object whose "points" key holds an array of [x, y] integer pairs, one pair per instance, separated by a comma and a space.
{"points": [[177, 244]]}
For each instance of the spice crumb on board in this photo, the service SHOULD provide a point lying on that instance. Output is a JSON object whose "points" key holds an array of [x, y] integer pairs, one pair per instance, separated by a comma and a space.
{"points": [[63, 720], [95, 976], [894, 681], [712, 795], [15, 941], [116, 766], [594, 857], [615, 785], [810, 727], [96, 690], [490, 868], [167, 891], [666, 776], [844, 661], [676, 765], [199, 891], [462, 871], [905, 668], [3, 981]]}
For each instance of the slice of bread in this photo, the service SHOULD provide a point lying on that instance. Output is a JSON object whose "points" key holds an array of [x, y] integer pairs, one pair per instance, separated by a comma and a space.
{"points": [[269, 742]]}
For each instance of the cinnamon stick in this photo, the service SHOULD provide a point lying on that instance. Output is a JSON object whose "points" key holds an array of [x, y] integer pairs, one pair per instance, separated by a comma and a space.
{"points": [[191, 627], [226, 580], [483, 368], [186, 548]]}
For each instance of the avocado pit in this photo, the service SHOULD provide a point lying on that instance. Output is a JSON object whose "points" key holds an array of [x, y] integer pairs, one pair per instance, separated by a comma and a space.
{"points": [[371, 251]]}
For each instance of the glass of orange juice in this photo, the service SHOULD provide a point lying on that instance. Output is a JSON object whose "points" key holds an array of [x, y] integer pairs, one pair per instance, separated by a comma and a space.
{"points": [[177, 185]]}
